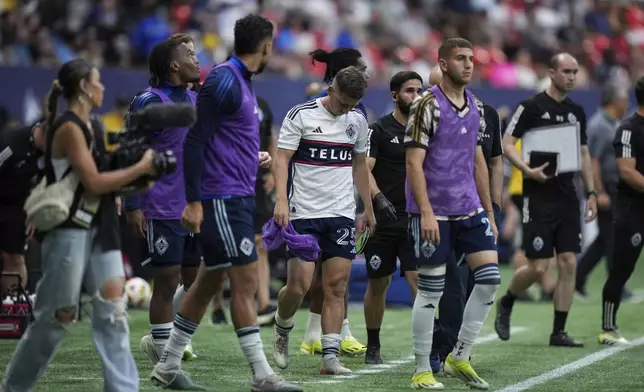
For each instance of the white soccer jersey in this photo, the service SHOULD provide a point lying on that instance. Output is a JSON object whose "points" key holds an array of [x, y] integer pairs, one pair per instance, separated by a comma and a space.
{"points": [[321, 174]]}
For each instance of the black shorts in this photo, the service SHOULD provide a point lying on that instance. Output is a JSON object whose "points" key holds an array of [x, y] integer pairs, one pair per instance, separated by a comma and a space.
{"points": [[550, 226], [388, 245], [628, 230], [12, 229], [169, 244]]}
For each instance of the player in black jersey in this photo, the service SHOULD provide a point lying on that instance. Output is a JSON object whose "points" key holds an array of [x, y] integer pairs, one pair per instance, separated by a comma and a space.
{"points": [[629, 216], [386, 160], [459, 280], [551, 208]]}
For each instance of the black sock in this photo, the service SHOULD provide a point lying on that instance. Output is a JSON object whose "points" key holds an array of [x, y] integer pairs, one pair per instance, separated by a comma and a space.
{"points": [[507, 301], [373, 337], [560, 322]]}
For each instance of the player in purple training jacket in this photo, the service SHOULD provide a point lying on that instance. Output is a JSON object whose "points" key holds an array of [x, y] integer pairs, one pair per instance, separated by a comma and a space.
{"points": [[173, 252], [221, 161], [448, 199]]}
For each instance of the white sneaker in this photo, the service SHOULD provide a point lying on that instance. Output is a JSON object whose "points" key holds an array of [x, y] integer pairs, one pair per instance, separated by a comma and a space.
{"points": [[280, 349], [334, 367], [150, 349]]}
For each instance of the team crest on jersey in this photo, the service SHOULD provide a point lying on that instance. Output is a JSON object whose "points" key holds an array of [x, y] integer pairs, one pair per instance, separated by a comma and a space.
{"points": [[351, 131], [246, 246], [572, 118], [375, 262], [161, 245], [636, 239], [537, 243]]}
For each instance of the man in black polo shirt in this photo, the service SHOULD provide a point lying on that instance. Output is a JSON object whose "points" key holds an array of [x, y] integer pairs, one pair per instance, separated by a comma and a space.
{"points": [[629, 216], [551, 221], [20, 151], [386, 160], [458, 280]]}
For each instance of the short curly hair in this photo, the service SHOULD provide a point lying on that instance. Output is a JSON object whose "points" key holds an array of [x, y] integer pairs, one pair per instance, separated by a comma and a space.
{"points": [[250, 31]]}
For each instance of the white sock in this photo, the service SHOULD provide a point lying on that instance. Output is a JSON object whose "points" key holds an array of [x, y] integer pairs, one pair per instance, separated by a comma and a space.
{"points": [[180, 337], [283, 326], [331, 345], [345, 332], [160, 335], [313, 328], [178, 298], [486, 281], [253, 349], [431, 282]]}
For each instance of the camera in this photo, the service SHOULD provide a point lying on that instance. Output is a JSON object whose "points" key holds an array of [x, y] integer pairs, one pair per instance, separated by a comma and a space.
{"points": [[136, 139]]}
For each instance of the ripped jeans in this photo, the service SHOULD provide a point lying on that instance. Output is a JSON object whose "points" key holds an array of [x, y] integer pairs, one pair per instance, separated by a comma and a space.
{"points": [[72, 258]]}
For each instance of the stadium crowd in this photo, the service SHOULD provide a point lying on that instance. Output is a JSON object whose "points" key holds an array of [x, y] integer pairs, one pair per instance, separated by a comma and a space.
{"points": [[513, 39]]}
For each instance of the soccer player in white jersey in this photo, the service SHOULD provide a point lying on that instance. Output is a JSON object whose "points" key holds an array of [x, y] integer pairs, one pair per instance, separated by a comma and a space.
{"points": [[325, 140]]}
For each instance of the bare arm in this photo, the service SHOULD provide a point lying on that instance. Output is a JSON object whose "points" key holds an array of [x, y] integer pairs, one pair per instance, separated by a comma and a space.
{"points": [[587, 169], [280, 172], [70, 139], [496, 179], [272, 146], [513, 155], [362, 178], [482, 179], [597, 176], [373, 186], [414, 158]]}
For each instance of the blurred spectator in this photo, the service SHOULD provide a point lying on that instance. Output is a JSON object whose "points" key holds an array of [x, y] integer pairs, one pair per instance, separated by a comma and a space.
{"points": [[513, 38], [114, 120]]}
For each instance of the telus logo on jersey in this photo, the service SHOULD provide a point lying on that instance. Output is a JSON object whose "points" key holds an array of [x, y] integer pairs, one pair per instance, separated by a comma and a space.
{"points": [[314, 152]]}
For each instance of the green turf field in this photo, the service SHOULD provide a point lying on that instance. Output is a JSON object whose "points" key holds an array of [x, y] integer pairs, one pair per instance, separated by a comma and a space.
{"points": [[502, 364]]}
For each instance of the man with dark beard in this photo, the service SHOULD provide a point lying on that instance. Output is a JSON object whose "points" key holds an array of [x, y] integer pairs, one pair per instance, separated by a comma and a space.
{"points": [[386, 161], [551, 221]]}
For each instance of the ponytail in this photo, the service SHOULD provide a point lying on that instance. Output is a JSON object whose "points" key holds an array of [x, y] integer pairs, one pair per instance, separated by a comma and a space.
{"points": [[52, 104], [320, 55], [335, 60]]}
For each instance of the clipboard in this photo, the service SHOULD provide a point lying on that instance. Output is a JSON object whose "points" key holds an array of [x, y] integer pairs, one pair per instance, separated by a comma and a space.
{"points": [[539, 158], [561, 139]]}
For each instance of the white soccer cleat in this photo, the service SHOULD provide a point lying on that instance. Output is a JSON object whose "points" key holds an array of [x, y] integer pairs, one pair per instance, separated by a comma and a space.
{"points": [[280, 348], [150, 349], [334, 367]]}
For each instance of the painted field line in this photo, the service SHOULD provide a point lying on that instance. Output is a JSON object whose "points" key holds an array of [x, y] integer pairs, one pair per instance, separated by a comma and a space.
{"points": [[377, 369], [572, 367]]}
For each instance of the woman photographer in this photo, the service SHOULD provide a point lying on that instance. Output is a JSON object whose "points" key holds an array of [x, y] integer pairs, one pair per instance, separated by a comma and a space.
{"points": [[84, 251]]}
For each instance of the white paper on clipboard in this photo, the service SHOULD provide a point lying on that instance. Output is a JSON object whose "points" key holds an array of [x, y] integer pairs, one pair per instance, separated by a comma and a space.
{"points": [[563, 139]]}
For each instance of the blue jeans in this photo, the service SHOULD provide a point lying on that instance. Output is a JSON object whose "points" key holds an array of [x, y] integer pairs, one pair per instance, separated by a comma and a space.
{"points": [[72, 258]]}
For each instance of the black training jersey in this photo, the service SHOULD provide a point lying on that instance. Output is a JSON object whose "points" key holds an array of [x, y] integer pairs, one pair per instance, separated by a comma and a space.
{"points": [[541, 111], [386, 145], [491, 143], [18, 165], [629, 144]]}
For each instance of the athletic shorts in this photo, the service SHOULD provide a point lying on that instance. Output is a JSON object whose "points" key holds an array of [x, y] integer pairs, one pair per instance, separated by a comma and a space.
{"points": [[169, 244], [386, 247], [12, 229], [336, 236], [228, 233], [549, 227], [459, 236]]}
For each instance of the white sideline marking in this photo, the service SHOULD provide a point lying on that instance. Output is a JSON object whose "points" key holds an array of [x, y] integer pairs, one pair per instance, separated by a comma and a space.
{"points": [[571, 367], [376, 369]]}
